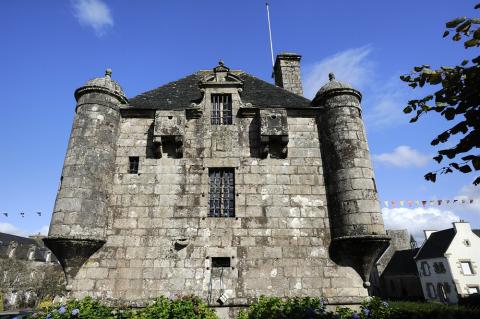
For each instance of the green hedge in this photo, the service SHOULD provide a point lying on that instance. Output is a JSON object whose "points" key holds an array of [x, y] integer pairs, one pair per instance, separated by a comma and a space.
{"points": [[418, 310], [266, 308], [162, 308]]}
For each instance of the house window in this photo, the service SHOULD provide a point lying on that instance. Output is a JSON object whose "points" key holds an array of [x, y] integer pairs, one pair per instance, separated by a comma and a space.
{"points": [[442, 293], [431, 291], [439, 268], [467, 242], [473, 290], [133, 164], [425, 268], [222, 190], [221, 109], [466, 267]]}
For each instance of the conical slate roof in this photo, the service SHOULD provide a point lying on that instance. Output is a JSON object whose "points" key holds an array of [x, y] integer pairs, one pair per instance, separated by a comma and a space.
{"points": [[332, 85], [105, 83]]}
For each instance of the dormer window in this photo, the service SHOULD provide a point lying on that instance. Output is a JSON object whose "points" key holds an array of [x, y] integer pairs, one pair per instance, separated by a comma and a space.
{"points": [[221, 109]]}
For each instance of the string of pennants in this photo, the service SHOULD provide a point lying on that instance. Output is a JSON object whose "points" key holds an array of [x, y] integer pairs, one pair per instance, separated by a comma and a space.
{"points": [[22, 214], [433, 202]]}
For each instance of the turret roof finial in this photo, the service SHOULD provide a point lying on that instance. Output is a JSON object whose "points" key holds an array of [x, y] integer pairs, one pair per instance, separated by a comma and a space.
{"points": [[331, 76], [108, 72], [221, 63]]}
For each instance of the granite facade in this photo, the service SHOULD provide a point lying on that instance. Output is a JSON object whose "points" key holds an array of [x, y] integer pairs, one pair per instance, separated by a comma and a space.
{"points": [[153, 227]]}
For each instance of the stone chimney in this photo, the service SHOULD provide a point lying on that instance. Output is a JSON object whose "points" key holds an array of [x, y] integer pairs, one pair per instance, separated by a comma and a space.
{"points": [[287, 72]]}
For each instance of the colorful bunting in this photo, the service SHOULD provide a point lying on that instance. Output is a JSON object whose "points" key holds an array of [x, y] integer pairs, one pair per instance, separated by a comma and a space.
{"points": [[432, 202]]}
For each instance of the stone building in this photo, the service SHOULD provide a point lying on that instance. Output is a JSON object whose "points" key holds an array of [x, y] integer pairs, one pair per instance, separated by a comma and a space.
{"points": [[220, 185], [448, 263], [28, 272], [395, 274]]}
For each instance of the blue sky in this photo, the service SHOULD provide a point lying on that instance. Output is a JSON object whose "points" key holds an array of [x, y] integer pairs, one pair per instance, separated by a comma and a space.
{"points": [[51, 48]]}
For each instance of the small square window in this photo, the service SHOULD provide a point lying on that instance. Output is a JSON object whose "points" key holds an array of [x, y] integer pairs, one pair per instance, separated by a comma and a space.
{"points": [[134, 162], [220, 262], [221, 109], [466, 267]]}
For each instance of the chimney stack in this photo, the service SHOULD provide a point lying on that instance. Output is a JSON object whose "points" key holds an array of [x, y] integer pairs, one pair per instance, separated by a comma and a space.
{"points": [[287, 72]]}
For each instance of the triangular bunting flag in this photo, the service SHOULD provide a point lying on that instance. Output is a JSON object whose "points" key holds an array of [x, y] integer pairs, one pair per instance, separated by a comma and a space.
{"points": [[401, 203], [386, 203], [439, 202], [410, 203], [424, 202]]}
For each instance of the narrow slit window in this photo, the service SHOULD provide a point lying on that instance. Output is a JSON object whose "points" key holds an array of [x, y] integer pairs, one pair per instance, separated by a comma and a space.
{"points": [[220, 262], [133, 164], [221, 109], [222, 192]]}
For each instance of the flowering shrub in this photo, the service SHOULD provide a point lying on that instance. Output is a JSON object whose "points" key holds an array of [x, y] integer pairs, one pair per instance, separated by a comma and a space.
{"points": [[373, 308], [291, 308], [161, 308]]}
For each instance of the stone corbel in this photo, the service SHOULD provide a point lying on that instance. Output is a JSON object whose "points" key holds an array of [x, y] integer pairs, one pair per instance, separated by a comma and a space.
{"points": [[273, 131], [169, 128]]}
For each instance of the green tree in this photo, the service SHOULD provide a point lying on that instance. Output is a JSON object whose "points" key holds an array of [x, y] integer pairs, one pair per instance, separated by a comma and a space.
{"points": [[457, 99]]}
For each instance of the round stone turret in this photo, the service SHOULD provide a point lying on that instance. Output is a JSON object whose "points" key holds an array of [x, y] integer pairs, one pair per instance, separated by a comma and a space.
{"points": [[358, 234], [103, 84], [80, 215]]}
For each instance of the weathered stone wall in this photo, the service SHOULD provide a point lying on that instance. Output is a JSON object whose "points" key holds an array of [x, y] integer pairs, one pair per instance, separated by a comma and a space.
{"points": [[81, 205], [160, 240]]}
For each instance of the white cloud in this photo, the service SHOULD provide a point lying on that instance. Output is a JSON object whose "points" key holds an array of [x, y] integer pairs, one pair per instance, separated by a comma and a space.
{"points": [[352, 66], [14, 230], [383, 106], [403, 156], [93, 13], [11, 229], [418, 219], [467, 193], [384, 99]]}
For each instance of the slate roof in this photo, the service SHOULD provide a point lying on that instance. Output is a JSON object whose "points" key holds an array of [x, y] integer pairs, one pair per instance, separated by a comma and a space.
{"points": [[180, 94], [24, 246], [438, 243], [402, 263]]}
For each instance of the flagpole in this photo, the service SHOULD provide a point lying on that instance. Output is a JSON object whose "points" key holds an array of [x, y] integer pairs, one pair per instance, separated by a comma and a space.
{"points": [[270, 31]]}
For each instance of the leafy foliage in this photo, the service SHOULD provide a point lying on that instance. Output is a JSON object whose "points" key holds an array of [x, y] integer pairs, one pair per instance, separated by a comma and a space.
{"points": [[374, 308], [457, 99], [291, 308], [45, 281], [418, 310], [162, 308]]}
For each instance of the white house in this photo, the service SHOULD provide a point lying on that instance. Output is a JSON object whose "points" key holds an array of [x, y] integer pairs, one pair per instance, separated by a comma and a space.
{"points": [[448, 263]]}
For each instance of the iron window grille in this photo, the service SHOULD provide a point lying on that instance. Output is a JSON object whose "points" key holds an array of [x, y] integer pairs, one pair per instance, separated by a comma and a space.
{"points": [[221, 109], [222, 192], [134, 162]]}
